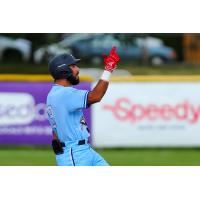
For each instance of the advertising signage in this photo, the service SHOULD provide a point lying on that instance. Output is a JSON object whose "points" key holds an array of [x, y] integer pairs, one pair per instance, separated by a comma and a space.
{"points": [[23, 117]]}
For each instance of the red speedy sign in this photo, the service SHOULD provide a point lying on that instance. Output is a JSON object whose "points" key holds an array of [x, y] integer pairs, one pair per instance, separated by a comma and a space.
{"points": [[124, 109]]}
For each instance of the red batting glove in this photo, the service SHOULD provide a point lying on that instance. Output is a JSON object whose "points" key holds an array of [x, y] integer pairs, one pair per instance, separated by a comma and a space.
{"points": [[111, 60]]}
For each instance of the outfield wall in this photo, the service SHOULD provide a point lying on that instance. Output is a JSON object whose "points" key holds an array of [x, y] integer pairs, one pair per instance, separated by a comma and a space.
{"points": [[138, 111]]}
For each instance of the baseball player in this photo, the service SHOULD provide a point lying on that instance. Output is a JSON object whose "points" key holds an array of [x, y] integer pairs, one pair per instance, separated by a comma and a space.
{"points": [[64, 109]]}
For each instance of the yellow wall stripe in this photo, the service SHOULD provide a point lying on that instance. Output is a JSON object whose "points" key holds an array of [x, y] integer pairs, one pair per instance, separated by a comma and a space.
{"points": [[157, 78], [137, 78], [34, 78]]}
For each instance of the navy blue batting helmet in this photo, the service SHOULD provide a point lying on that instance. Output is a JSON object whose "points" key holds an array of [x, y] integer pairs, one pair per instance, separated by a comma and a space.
{"points": [[59, 66]]}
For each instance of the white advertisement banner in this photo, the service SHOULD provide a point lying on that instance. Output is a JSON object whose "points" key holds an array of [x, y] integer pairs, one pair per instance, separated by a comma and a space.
{"points": [[142, 114]]}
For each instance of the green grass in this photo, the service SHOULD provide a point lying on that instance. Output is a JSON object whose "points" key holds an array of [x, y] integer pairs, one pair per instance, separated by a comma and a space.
{"points": [[43, 156], [152, 157], [26, 156]]}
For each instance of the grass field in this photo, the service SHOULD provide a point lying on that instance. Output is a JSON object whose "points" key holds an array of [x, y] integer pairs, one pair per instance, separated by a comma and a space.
{"points": [[43, 156]]}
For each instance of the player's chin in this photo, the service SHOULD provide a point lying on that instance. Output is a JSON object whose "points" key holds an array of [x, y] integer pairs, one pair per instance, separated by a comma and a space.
{"points": [[76, 80]]}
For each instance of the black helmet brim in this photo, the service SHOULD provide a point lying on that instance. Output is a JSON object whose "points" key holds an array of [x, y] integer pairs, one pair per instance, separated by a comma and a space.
{"points": [[75, 61]]}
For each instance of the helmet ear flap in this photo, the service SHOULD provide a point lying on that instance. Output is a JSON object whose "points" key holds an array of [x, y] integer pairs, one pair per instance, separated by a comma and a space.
{"points": [[67, 72]]}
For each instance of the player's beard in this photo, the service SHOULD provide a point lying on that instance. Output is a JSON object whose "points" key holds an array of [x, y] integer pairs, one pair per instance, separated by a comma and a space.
{"points": [[74, 80]]}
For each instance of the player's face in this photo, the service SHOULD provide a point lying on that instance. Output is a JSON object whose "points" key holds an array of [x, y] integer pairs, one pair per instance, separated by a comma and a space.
{"points": [[75, 71]]}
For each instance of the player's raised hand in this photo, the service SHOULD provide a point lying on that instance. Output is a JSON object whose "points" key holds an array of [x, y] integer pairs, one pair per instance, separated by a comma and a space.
{"points": [[111, 60]]}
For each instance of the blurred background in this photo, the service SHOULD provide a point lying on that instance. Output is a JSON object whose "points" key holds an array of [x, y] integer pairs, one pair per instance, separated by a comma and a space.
{"points": [[152, 105], [139, 50]]}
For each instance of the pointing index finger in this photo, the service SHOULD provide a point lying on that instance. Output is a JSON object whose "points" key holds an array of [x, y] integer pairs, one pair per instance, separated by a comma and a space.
{"points": [[113, 50]]}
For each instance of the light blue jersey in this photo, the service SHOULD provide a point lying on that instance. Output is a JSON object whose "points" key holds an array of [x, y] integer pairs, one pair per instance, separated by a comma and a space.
{"points": [[64, 108]]}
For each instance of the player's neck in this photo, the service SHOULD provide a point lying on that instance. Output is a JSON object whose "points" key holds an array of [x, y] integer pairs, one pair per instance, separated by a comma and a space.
{"points": [[62, 82]]}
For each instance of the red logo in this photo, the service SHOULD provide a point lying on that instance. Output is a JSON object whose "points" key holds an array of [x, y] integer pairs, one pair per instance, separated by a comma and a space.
{"points": [[125, 110]]}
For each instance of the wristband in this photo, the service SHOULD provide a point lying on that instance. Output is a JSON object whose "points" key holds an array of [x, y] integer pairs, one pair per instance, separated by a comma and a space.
{"points": [[106, 75]]}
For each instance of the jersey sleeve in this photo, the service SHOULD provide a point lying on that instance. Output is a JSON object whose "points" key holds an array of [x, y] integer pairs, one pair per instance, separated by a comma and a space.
{"points": [[77, 99]]}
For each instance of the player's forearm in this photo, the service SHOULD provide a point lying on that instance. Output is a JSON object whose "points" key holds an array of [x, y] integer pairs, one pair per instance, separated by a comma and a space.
{"points": [[98, 92]]}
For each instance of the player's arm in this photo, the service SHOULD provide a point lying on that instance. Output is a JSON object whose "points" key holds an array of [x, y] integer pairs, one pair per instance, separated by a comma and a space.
{"points": [[98, 92], [100, 89]]}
